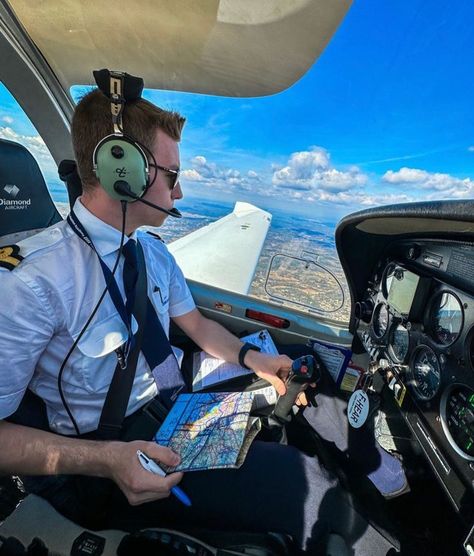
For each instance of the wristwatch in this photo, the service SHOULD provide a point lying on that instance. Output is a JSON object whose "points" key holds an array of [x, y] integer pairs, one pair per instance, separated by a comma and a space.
{"points": [[243, 350]]}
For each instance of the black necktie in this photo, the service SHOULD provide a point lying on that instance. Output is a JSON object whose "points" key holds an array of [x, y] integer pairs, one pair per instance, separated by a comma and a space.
{"points": [[155, 344]]}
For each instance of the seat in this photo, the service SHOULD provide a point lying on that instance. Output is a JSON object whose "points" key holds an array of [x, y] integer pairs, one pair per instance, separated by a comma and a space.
{"points": [[69, 175], [26, 206]]}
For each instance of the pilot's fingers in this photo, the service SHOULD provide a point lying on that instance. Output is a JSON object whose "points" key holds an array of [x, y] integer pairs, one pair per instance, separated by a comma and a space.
{"points": [[302, 400], [161, 454], [151, 482], [152, 487], [274, 380], [284, 363], [279, 385]]}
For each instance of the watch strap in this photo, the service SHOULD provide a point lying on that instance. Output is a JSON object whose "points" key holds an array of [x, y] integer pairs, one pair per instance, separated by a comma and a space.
{"points": [[243, 350]]}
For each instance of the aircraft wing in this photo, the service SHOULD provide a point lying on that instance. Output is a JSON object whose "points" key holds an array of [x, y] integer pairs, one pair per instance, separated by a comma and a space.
{"points": [[225, 253]]}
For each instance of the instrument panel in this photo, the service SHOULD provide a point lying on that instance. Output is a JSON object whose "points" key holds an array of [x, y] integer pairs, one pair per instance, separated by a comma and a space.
{"points": [[418, 316]]}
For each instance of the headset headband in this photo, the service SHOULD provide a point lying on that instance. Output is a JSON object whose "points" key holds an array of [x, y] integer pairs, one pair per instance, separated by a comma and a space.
{"points": [[120, 88]]}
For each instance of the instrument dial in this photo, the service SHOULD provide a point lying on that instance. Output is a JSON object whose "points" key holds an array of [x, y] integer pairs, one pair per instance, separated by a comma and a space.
{"points": [[399, 343], [425, 373], [446, 318], [457, 419], [380, 320]]}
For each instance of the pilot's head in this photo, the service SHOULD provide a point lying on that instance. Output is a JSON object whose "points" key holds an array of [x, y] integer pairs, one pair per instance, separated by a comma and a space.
{"points": [[92, 122]]}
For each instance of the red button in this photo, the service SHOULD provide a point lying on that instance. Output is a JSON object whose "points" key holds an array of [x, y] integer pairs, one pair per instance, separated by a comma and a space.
{"points": [[304, 369]]}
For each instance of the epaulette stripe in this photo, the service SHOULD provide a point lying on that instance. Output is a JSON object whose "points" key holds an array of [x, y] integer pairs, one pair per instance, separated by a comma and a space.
{"points": [[10, 257], [156, 236]]}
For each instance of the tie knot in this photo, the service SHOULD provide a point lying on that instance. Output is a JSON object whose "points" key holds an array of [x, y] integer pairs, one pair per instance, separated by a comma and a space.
{"points": [[130, 252]]}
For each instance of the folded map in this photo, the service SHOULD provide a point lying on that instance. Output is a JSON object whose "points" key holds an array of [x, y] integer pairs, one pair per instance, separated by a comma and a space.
{"points": [[209, 431]]}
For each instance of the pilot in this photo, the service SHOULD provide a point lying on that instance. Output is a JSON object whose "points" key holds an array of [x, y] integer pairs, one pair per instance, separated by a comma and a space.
{"points": [[60, 345]]}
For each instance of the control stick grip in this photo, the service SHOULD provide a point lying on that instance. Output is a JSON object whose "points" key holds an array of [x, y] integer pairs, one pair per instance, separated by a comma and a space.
{"points": [[303, 371]]}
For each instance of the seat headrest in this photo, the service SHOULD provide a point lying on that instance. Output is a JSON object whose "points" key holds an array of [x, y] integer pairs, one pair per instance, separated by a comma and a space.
{"points": [[68, 173], [25, 202]]}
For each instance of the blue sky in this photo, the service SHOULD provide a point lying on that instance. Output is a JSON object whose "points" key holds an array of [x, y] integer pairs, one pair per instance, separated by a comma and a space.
{"points": [[385, 115]]}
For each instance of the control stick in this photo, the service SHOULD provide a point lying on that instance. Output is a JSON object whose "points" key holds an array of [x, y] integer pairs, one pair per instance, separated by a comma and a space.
{"points": [[304, 370]]}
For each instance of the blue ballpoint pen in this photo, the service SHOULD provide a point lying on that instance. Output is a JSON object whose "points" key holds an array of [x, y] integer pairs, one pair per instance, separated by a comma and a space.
{"points": [[153, 467]]}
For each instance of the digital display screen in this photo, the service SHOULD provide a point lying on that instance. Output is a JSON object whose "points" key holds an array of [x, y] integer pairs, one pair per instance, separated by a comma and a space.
{"points": [[402, 290]]}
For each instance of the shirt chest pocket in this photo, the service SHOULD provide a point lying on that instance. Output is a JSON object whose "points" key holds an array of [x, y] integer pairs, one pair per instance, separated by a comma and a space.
{"points": [[97, 349]]}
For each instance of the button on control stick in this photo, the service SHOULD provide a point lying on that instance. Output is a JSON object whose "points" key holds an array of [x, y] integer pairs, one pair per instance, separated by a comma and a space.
{"points": [[304, 370]]}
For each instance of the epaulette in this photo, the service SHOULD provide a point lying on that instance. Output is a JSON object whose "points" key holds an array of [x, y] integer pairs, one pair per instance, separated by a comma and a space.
{"points": [[156, 236], [10, 257]]}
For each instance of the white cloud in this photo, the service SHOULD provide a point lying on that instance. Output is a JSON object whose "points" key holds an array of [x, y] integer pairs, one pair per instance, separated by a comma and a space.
{"points": [[310, 177], [8, 120], [199, 161], [36, 146], [191, 175], [212, 174], [433, 184], [312, 171], [405, 175]]}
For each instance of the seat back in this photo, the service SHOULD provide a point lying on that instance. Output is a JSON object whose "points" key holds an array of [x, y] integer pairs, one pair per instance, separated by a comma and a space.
{"points": [[25, 203]]}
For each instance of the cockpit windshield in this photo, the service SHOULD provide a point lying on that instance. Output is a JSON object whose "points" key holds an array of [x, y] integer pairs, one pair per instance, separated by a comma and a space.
{"points": [[384, 116]]}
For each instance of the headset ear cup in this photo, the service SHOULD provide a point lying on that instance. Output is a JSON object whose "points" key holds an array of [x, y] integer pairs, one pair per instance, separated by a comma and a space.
{"points": [[116, 158]]}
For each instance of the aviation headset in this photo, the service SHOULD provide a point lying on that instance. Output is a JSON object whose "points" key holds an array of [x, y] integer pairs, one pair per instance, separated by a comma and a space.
{"points": [[120, 163]]}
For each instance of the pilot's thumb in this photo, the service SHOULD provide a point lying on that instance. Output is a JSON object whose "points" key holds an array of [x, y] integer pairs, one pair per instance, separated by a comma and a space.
{"points": [[162, 454], [278, 384]]}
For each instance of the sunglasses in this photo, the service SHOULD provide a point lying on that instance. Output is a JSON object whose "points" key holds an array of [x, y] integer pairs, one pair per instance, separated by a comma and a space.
{"points": [[172, 175]]}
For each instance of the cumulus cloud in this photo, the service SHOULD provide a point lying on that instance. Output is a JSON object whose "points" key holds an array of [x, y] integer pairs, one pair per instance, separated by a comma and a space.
{"points": [[212, 174], [312, 171], [36, 146], [7, 119], [34, 143], [434, 184], [311, 177]]}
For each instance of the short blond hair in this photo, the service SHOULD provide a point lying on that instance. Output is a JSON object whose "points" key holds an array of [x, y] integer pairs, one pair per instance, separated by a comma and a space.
{"points": [[92, 121]]}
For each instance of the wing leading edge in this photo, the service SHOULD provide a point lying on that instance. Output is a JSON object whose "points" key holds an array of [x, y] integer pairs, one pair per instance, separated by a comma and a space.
{"points": [[225, 253]]}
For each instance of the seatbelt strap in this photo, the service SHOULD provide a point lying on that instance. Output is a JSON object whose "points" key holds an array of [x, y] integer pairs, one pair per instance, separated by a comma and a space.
{"points": [[116, 401]]}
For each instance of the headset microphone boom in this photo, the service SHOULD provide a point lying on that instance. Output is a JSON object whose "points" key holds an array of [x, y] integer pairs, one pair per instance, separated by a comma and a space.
{"points": [[122, 188]]}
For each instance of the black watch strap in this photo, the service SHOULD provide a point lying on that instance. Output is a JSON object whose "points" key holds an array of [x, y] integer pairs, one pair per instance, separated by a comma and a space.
{"points": [[243, 350]]}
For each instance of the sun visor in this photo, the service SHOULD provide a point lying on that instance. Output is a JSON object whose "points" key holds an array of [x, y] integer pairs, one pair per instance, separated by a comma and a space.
{"points": [[222, 47]]}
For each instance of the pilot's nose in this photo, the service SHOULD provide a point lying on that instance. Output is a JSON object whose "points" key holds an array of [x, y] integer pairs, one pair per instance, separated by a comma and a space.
{"points": [[177, 191]]}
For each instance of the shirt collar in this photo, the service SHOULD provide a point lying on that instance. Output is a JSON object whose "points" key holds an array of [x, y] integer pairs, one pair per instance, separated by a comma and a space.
{"points": [[106, 238]]}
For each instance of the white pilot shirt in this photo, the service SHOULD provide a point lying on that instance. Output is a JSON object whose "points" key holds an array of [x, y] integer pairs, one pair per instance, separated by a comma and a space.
{"points": [[45, 302]]}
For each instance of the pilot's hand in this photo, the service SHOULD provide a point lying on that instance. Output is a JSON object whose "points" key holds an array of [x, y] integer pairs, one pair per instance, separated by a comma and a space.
{"points": [[138, 484], [302, 399], [272, 368]]}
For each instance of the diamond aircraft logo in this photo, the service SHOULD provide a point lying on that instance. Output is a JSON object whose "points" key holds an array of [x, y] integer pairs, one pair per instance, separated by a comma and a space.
{"points": [[11, 190], [10, 202]]}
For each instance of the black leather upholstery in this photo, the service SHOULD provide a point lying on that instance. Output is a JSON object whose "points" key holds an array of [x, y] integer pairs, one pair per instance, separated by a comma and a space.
{"points": [[25, 202], [69, 175]]}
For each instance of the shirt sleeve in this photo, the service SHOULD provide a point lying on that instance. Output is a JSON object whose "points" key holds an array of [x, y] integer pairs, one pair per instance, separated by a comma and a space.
{"points": [[25, 330], [181, 300]]}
